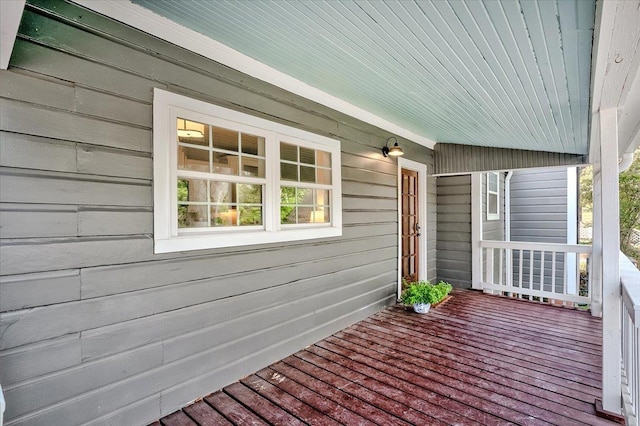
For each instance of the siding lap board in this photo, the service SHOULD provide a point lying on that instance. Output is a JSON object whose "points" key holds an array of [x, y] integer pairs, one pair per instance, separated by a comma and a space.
{"points": [[454, 230], [94, 326], [539, 214]]}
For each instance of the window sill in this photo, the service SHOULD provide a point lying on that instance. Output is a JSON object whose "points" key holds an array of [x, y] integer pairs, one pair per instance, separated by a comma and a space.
{"points": [[209, 241]]}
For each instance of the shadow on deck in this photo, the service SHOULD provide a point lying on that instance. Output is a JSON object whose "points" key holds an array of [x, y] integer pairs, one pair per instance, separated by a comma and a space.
{"points": [[476, 359]]}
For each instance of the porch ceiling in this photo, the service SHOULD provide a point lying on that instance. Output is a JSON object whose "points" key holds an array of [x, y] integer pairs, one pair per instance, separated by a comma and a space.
{"points": [[510, 74]]}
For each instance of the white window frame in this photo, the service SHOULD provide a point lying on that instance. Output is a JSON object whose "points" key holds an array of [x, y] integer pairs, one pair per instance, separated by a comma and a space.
{"points": [[167, 107], [493, 215]]}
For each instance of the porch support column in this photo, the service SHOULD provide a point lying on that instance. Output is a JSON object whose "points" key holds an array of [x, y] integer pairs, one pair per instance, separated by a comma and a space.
{"points": [[595, 271], [610, 238]]}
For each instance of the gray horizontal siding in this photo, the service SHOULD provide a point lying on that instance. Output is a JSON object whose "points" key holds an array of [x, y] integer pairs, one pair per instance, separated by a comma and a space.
{"points": [[455, 158], [539, 205], [454, 230], [539, 214], [97, 328], [432, 224]]}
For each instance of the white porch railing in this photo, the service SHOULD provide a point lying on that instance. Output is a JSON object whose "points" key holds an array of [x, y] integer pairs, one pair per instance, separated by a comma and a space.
{"points": [[630, 282], [537, 271]]}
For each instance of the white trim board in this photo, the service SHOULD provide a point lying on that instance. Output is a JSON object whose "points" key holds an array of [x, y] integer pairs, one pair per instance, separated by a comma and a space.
{"points": [[167, 237], [404, 163], [10, 15], [571, 269], [143, 19]]}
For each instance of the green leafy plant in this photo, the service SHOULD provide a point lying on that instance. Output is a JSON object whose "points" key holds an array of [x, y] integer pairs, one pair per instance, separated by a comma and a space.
{"points": [[424, 292]]}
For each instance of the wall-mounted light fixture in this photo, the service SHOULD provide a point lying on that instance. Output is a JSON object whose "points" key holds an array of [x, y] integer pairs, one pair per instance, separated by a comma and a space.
{"points": [[394, 151]]}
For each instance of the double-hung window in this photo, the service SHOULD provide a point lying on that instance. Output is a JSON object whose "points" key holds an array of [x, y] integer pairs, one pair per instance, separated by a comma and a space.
{"points": [[224, 178], [493, 196]]}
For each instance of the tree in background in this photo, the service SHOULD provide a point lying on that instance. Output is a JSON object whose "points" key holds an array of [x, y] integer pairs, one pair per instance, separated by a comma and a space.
{"points": [[586, 194], [630, 206], [629, 202]]}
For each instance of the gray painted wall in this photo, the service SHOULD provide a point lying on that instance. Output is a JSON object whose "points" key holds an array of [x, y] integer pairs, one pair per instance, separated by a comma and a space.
{"points": [[454, 230], [432, 225], [539, 214], [539, 205], [95, 327], [494, 229]]}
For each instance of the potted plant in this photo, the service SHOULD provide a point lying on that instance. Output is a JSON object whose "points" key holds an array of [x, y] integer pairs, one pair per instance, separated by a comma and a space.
{"points": [[422, 294]]}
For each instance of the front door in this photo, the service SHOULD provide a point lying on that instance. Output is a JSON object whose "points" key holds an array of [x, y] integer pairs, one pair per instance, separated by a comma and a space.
{"points": [[410, 230]]}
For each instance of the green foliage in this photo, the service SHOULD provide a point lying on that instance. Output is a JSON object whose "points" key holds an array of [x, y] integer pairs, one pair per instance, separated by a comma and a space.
{"points": [[289, 197], [425, 292], [586, 187], [629, 182], [183, 195], [250, 216], [630, 204]]}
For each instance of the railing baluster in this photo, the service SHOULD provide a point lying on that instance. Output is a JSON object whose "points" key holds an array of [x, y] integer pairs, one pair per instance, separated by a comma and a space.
{"points": [[490, 266], [588, 276], [520, 273], [630, 373], [531, 261], [483, 259], [500, 263], [553, 273], [636, 373], [631, 362], [542, 256], [522, 283]]}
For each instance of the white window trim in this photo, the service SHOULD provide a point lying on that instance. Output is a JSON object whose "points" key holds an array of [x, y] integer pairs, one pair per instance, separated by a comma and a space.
{"points": [[496, 215], [167, 107]]}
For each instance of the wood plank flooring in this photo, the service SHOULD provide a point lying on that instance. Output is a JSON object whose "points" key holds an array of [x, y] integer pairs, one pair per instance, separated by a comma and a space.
{"points": [[476, 359]]}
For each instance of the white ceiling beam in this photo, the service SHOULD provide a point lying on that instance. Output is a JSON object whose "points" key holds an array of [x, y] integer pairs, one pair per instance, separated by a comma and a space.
{"points": [[10, 15], [165, 29], [602, 35], [614, 71], [629, 120], [617, 34]]}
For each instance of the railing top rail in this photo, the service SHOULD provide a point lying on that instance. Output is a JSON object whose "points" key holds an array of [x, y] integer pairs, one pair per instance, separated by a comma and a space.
{"points": [[630, 281], [527, 245]]}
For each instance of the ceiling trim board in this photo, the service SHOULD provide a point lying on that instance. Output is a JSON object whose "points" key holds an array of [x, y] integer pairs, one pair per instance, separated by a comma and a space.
{"points": [[165, 29]]}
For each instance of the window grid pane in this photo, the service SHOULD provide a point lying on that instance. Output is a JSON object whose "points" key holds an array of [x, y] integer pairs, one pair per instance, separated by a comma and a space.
{"points": [[493, 195], [300, 164], [212, 149], [493, 182], [213, 203], [192, 132], [304, 205]]}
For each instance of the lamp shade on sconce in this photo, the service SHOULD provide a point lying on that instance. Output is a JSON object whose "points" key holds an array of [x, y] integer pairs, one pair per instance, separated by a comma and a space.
{"points": [[394, 151]]}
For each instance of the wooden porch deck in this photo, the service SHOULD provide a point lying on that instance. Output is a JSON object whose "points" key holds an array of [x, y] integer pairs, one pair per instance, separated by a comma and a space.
{"points": [[476, 359]]}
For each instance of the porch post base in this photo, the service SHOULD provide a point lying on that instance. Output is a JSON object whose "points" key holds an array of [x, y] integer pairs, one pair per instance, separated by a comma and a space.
{"points": [[601, 412]]}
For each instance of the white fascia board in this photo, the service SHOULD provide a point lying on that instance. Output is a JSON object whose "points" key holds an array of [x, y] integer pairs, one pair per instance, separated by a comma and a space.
{"points": [[629, 119], [615, 71], [145, 20], [602, 36], [10, 15]]}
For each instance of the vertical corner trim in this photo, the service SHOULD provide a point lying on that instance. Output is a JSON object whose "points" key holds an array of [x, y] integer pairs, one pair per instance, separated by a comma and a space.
{"points": [[10, 15]]}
